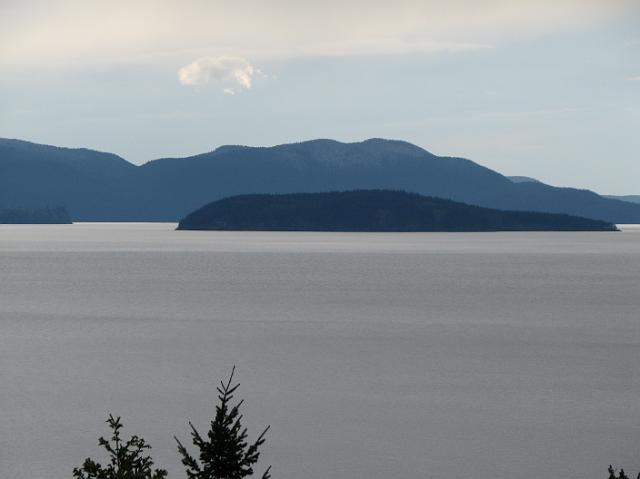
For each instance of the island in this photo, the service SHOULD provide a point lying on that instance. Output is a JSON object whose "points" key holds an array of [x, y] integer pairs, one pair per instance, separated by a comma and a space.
{"points": [[372, 211], [57, 215]]}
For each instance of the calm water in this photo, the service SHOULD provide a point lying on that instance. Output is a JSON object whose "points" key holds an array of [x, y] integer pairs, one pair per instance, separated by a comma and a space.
{"points": [[371, 355]]}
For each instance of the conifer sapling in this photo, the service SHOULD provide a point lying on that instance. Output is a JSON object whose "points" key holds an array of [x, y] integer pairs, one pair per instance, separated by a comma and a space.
{"points": [[224, 453]]}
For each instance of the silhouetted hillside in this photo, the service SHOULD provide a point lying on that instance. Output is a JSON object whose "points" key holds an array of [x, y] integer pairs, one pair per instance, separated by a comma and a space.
{"points": [[34, 216], [371, 210], [86, 182], [101, 186]]}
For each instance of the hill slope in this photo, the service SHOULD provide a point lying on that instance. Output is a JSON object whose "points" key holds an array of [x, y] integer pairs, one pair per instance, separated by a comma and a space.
{"points": [[100, 186], [371, 210], [86, 182]]}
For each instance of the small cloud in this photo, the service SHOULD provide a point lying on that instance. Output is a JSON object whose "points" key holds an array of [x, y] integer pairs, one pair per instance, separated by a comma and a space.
{"points": [[636, 78], [234, 73]]}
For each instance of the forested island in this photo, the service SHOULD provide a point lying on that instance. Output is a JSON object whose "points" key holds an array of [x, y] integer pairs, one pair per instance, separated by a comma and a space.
{"points": [[56, 215], [372, 210]]}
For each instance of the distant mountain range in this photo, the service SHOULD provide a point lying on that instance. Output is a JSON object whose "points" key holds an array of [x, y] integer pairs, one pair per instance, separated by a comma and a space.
{"points": [[629, 198], [96, 186], [371, 210]]}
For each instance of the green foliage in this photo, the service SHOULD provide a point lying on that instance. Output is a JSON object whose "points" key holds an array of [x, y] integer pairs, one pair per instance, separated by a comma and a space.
{"points": [[127, 459], [225, 453]]}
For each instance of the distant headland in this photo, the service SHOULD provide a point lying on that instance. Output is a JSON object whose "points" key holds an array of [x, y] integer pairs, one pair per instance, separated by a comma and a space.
{"points": [[372, 211], [56, 215]]}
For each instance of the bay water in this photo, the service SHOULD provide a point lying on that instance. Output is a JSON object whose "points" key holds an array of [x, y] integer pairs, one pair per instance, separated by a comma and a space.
{"points": [[485, 355]]}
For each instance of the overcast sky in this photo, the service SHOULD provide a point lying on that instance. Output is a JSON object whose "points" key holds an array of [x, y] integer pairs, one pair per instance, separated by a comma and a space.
{"points": [[549, 89]]}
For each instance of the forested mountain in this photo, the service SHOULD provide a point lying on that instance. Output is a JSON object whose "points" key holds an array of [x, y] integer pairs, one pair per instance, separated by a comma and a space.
{"points": [[86, 182], [100, 186]]}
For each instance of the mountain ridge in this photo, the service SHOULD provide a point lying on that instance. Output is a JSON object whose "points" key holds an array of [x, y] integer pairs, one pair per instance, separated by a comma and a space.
{"points": [[99, 186]]}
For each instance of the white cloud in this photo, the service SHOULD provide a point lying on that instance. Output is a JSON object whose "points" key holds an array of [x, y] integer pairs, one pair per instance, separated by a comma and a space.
{"points": [[233, 73], [637, 78]]}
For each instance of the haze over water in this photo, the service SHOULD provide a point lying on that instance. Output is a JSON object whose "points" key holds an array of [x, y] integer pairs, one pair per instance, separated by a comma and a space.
{"points": [[488, 355]]}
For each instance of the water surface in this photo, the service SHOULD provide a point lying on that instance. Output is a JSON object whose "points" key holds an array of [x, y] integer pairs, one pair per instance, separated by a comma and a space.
{"points": [[485, 355]]}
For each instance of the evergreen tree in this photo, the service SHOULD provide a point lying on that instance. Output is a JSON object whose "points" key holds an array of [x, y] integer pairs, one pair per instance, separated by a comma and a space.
{"points": [[225, 453], [612, 472], [127, 459], [621, 474]]}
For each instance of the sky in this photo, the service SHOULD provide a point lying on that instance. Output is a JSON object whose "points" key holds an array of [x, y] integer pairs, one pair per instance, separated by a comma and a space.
{"points": [[548, 89]]}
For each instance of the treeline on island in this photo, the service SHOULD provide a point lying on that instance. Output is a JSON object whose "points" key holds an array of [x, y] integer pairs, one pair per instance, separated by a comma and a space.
{"points": [[55, 215], [372, 210]]}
